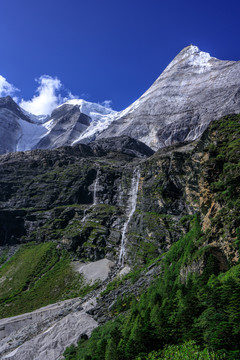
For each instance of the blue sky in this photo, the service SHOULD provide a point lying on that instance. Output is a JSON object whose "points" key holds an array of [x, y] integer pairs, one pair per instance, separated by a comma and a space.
{"points": [[108, 50]]}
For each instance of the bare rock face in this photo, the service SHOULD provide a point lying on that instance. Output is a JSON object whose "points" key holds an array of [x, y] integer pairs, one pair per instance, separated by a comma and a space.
{"points": [[45, 333], [76, 121], [10, 130], [193, 90], [121, 144], [67, 122]]}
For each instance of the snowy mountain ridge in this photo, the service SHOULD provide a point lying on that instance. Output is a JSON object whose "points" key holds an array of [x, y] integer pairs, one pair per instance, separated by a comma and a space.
{"points": [[193, 90], [28, 130]]}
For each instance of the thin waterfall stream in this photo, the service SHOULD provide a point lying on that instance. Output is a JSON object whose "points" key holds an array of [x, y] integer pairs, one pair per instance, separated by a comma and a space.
{"points": [[95, 189], [94, 197], [131, 209]]}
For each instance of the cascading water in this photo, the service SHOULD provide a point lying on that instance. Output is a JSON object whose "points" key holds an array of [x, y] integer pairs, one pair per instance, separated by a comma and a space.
{"points": [[95, 189], [94, 196], [131, 209]]}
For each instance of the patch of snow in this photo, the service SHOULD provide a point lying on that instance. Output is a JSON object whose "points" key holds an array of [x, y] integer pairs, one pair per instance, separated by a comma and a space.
{"points": [[95, 128], [101, 118], [40, 126], [95, 111], [31, 133], [199, 59], [192, 56], [38, 119]]}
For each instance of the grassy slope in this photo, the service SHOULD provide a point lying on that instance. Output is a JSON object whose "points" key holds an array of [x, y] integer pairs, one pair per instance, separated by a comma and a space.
{"points": [[37, 275]]}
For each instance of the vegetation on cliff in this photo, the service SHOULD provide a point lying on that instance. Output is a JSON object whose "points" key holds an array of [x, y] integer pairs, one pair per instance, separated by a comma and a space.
{"points": [[205, 309], [186, 225], [192, 309], [38, 275]]}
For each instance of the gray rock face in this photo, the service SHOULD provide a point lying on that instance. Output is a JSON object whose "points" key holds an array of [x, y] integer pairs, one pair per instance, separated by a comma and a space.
{"points": [[121, 144], [10, 130], [192, 91], [8, 103], [45, 333], [67, 123], [21, 131]]}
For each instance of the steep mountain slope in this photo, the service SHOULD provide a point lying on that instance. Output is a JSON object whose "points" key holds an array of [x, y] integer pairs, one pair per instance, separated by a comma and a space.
{"points": [[21, 131], [192, 91], [171, 215], [10, 128], [74, 122], [193, 297]]}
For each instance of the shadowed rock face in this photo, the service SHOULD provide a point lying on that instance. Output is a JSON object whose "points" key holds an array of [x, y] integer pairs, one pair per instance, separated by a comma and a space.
{"points": [[10, 130], [123, 145], [67, 122], [191, 92], [8, 103], [64, 179]]}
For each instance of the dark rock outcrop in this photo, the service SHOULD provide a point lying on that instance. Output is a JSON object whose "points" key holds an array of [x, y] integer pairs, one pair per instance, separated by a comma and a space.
{"points": [[80, 197], [121, 144]]}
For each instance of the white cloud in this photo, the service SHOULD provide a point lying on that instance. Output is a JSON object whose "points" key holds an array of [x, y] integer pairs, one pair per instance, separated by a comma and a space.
{"points": [[68, 97], [47, 98], [6, 88], [49, 94], [107, 104]]}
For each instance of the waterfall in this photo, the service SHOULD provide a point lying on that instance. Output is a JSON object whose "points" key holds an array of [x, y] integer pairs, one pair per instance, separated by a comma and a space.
{"points": [[85, 214], [95, 189], [131, 209]]}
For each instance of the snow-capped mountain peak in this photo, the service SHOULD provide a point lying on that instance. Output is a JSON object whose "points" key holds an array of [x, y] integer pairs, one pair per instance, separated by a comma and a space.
{"points": [[192, 56], [94, 110], [193, 90], [76, 120]]}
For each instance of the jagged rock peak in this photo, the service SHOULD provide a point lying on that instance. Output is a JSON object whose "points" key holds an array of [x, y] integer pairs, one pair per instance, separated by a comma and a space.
{"points": [[8, 103], [193, 56], [193, 90]]}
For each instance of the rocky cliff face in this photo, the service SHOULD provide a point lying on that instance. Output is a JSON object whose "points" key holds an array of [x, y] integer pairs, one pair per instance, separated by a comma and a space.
{"points": [[66, 123], [79, 196], [192, 91], [10, 129], [49, 193], [115, 199]]}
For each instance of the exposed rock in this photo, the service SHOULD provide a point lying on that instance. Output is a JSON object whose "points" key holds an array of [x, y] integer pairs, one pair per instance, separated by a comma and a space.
{"points": [[66, 124], [21, 131], [9, 104], [121, 144], [94, 271], [192, 91], [81, 202], [48, 330]]}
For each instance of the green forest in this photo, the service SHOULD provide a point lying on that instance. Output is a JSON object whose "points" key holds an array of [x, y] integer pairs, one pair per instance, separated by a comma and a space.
{"points": [[196, 319]]}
